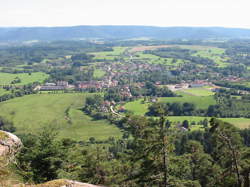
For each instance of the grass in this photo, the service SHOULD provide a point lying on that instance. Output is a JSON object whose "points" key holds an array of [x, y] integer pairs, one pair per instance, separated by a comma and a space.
{"points": [[213, 53], [34, 112], [109, 55], [238, 122], [98, 73], [198, 92], [140, 109], [3, 91], [7, 78], [137, 107], [201, 102]]}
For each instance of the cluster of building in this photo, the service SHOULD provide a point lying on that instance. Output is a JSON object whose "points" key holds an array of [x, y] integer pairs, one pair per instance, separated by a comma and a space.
{"points": [[63, 85], [233, 79], [59, 85], [97, 84], [186, 85]]}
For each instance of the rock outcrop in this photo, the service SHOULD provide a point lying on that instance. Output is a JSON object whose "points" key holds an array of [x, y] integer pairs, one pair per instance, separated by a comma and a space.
{"points": [[9, 146], [61, 183]]}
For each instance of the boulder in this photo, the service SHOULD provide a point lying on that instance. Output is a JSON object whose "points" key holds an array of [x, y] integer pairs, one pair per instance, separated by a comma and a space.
{"points": [[10, 144], [60, 183]]}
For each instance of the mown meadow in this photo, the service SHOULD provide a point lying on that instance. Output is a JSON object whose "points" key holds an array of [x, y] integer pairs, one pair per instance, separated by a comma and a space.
{"points": [[62, 111]]}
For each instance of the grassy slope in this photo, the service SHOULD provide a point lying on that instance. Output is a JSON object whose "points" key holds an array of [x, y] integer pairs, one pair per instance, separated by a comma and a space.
{"points": [[31, 113], [6, 78]]}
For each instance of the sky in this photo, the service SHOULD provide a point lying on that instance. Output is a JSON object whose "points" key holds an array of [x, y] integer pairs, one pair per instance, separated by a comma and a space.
{"points": [[224, 13]]}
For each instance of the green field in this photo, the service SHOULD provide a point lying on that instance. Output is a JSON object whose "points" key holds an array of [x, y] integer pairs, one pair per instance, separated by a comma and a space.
{"points": [[153, 59], [201, 102], [137, 107], [98, 73], [109, 55], [197, 92], [6, 78], [3, 91], [238, 122], [34, 112]]}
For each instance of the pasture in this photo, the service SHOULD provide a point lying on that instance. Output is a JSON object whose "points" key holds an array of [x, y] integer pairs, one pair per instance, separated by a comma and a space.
{"points": [[63, 111], [201, 102], [137, 107], [197, 92], [7, 78], [3, 91], [98, 73], [238, 122]]}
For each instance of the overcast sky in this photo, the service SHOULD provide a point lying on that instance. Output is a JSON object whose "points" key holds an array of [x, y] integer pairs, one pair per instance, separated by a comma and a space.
{"points": [[226, 13]]}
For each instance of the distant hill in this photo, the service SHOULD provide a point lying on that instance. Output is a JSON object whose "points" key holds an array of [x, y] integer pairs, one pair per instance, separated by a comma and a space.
{"points": [[119, 32]]}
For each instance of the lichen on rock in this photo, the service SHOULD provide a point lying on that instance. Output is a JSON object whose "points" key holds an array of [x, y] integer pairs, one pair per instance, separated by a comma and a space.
{"points": [[10, 144]]}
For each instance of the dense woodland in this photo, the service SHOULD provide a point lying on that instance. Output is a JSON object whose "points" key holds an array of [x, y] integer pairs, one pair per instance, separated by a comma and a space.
{"points": [[151, 153]]}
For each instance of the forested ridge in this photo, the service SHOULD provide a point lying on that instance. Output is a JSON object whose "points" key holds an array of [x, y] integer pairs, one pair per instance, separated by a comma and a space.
{"points": [[118, 32]]}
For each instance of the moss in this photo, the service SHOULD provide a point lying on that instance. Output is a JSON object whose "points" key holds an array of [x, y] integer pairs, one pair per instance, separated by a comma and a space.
{"points": [[54, 183], [3, 135]]}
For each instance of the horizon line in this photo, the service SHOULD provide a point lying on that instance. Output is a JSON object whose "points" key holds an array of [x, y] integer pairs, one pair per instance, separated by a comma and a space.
{"points": [[125, 25]]}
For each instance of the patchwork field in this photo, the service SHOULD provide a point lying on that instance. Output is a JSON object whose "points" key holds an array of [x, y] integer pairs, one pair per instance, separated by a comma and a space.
{"points": [[32, 113], [202, 100], [140, 108], [144, 48], [238, 122], [7, 78], [213, 53], [109, 55]]}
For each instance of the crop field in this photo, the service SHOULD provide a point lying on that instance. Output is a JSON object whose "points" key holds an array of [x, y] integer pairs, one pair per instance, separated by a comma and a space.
{"points": [[62, 111], [7, 78]]}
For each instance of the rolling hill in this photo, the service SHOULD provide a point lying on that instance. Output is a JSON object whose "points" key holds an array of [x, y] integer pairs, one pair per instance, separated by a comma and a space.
{"points": [[17, 34]]}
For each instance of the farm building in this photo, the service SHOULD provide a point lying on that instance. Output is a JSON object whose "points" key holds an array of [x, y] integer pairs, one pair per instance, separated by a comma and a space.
{"points": [[51, 88]]}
